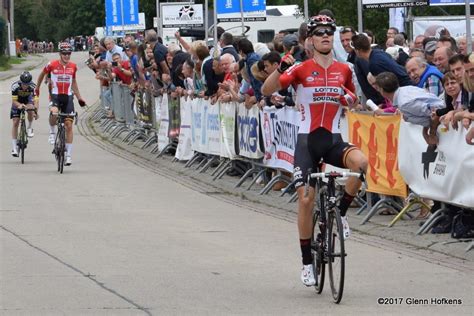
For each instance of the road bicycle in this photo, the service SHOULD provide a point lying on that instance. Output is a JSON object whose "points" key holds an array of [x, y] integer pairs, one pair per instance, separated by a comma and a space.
{"points": [[22, 140], [60, 141], [327, 240]]}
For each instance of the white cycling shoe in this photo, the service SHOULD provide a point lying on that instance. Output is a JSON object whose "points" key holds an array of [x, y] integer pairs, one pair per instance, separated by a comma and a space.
{"points": [[15, 152], [68, 161], [30, 133], [346, 231], [51, 138], [307, 275]]}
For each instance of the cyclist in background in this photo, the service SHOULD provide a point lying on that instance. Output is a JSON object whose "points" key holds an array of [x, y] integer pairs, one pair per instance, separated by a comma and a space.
{"points": [[64, 87], [23, 97], [323, 86]]}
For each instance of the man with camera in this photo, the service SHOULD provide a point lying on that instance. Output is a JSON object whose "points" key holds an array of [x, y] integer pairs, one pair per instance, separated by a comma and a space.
{"points": [[121, 70]]}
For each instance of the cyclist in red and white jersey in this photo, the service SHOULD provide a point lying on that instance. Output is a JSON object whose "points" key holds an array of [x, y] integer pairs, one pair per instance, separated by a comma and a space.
{"points": [[64, 87], [323, 86]]}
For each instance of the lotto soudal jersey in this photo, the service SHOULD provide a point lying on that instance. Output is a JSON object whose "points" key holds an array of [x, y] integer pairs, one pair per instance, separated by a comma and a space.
{"points": [[61, 76], [318, 91]]}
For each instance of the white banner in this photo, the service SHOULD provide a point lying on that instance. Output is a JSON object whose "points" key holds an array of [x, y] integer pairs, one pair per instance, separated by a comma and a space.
{"points": [[184, 150], [164, 122], [279, 133], [212, 129], [177, 15], [431, 26], [227, 113], [248, 134], [196, 124], [444, 174]]}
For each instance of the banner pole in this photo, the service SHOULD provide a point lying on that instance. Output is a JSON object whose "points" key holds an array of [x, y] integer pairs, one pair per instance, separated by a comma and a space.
{"points": [[123, 25], [360, 26], [215, 24], [206, 20], [242, 16], [468, 26], [306, 10]]}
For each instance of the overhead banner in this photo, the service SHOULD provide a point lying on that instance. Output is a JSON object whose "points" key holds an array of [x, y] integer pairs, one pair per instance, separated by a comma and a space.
{"points": [[377, 137], [248, 132], [253, 10], [443, 173], [182, 15], [380, 4], [449, 2], [184, 151], [432, 26], [280, 132], [114, 9], [132, 27]]}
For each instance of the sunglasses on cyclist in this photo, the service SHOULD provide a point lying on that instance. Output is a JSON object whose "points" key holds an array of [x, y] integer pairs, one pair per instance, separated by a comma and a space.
{"points": [[321, 32], [67, 54]]}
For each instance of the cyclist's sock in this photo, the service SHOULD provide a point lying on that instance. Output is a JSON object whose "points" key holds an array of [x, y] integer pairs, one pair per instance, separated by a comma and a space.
{"points": [[305, 245], [68, 150], [30, 124], [345, 202], [52, 129], [14, 143]]}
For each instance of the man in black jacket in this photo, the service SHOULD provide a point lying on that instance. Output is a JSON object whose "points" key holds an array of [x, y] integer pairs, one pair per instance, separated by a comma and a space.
{"points": [[226, 42]]}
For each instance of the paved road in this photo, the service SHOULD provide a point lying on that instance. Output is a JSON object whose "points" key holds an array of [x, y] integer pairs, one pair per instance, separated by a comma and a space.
{"points": [[109, 237]]}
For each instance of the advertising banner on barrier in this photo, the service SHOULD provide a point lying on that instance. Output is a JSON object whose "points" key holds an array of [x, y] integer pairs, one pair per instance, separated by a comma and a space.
{"points": [[248, 134], [184, 151], [444, 173], [196, 125], [212, 129], [227, 113], [174, 117], [163, 139], [279, 132], [377, 137]]}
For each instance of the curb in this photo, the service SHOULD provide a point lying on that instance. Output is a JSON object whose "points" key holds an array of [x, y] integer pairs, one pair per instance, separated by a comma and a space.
{"points": [[29, 68]]}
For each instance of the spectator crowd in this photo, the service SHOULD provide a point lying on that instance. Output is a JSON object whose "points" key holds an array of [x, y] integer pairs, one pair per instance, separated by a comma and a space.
{"points": [[440, 69]]}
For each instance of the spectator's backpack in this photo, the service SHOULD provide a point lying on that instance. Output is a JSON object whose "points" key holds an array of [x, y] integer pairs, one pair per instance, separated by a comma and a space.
{"points": [[463, 225]]}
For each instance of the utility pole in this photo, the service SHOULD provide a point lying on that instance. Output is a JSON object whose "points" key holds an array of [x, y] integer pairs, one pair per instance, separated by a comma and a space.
{"points": [[12, 19], [468, 27]]}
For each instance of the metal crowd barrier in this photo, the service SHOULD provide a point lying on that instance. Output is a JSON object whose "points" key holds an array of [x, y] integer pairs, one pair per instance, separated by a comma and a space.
{"points": [[137, 116]]}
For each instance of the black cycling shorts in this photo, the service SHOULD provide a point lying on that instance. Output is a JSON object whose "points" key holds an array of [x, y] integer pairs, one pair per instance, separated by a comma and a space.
{"points": [[317, 145], [64, 102], [14, 112]]}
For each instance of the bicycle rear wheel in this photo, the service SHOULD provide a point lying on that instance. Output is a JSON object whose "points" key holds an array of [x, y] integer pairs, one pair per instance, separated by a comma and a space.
{"points": [[317, 250], [336, 255]]}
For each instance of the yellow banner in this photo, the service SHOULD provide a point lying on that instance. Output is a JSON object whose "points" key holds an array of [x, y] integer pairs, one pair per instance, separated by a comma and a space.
{"points": [[377, 137]]}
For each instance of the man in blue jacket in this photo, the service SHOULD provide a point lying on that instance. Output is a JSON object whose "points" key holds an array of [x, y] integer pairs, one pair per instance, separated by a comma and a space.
{"points": [[248, 54], [379, 61]]}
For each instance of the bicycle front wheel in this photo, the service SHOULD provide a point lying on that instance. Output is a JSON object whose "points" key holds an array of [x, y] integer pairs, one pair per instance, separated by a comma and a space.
{"points": [[317, 249], [336, 255], [22, 142]]}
